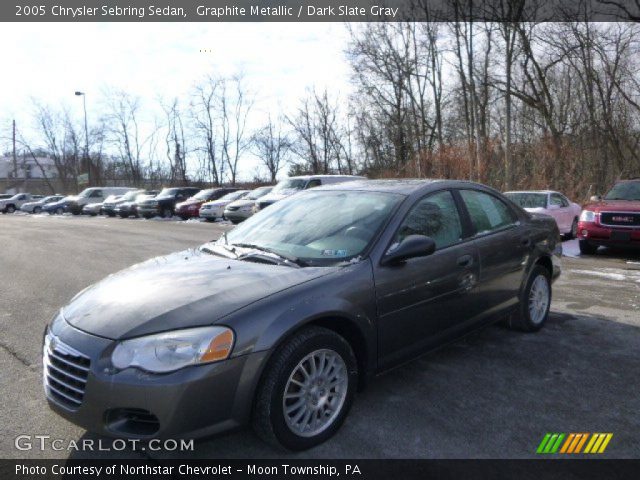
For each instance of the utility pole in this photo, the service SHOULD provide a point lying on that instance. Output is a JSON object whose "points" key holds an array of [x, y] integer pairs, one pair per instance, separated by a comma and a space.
{"points": [[86, 135], [15, 157]]}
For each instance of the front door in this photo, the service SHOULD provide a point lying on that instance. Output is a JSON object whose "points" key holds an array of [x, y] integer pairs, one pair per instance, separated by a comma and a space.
{"points": [[419, 299]]}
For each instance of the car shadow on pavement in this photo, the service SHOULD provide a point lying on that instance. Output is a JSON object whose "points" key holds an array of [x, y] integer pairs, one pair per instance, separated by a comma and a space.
{"points": [[493, 394]]}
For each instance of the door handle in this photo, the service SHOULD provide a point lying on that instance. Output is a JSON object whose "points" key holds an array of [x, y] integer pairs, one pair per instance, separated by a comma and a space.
{"points": [[465, 261]]}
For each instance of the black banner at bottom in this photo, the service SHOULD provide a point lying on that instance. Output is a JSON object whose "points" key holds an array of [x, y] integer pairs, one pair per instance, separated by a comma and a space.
{"points": [[320, 469]]}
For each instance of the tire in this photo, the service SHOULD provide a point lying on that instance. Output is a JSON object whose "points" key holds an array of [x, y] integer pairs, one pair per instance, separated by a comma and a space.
{"points": [[573, 233], [268, 416], [10, 209], [37, 210], [184, 217], [587, 248], [122, 215], [59, 211], [536, 291], [166, 213]]}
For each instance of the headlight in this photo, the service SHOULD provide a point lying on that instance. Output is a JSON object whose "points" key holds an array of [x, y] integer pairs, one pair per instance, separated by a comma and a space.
{"points": [[169, 351], [587, 216]]}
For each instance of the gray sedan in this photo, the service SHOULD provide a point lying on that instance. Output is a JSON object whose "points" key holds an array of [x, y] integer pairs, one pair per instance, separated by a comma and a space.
{"points": [[279, 322]]}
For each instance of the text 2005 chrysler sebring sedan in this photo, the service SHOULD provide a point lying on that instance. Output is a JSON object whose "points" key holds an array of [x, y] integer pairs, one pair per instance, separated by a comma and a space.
{"points": [[281, 320]]}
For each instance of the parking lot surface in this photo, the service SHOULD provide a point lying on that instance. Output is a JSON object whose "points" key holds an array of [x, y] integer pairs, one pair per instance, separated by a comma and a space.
{"points": [[493, 394]]}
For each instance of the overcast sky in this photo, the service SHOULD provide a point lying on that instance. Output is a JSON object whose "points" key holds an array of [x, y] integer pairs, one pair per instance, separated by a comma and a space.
{"points": [[49, 61]]}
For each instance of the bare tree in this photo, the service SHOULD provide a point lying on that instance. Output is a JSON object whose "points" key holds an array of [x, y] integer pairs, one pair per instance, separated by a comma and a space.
{"points": [[272, 146]]}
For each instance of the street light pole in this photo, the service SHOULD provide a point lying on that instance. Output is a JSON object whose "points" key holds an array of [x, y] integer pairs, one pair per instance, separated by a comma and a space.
{"points": [[86, 135]]}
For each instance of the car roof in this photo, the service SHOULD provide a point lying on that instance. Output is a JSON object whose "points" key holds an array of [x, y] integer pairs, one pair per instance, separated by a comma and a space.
{"points": [[532, 191], [405, 186]]}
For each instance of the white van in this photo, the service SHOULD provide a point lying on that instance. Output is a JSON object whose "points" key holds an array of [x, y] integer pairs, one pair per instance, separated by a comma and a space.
{"points": [[93, 195], [292, 185]]}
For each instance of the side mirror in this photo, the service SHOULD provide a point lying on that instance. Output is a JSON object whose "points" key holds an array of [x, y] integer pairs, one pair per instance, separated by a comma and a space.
{"points": [[595, 198], [411, 247]]}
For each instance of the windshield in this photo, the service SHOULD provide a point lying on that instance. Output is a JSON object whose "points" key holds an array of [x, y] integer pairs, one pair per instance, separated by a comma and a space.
{"points": [[86, 192], [624, 191], [528, 199], [289, 184], [234, 195], [168, 192], [343, 224], [257, 193], [127, 197], [204, 194]]}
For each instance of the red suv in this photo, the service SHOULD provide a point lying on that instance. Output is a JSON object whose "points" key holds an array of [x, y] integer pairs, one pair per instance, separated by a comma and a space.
{"points": [[613, 220]]}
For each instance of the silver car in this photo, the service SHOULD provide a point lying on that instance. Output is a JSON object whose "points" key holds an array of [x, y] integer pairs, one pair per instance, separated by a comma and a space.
{"points": [[242, 209]]}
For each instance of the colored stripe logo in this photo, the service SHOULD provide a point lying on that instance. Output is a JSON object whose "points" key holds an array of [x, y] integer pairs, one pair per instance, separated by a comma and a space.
{"points": [[574, 443]]}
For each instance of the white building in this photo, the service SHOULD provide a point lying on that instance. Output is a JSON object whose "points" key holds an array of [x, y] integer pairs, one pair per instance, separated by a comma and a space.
{"points": [[27, 168]]}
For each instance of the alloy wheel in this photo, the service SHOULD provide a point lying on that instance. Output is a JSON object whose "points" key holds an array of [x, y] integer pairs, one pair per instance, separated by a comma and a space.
{"points": [[315, 393], [539, 299]]}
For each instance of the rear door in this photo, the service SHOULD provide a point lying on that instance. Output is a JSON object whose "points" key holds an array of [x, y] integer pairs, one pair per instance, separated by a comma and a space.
{"points": [[421, 298], [503, 245], [560, 211]]}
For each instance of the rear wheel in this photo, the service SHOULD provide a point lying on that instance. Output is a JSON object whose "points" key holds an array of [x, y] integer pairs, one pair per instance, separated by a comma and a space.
{"points": [[37, 210], [59, 211], [306, 391], [167, 213], [535, 301], [10, 209], [587, 248]]}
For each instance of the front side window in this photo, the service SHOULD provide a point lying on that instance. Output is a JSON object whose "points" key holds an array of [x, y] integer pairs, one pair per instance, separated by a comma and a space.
{"points": [[96, 194], [528, 199], [556, 200], [289, 186], [435, 216], [487, 212]]}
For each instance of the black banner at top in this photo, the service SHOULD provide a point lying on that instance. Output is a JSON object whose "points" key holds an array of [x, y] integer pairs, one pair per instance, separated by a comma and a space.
{"points": [[318, 10]]}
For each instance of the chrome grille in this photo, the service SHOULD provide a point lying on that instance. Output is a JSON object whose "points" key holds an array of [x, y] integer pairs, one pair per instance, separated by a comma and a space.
{"points": [[620, 219], [65, 372]]}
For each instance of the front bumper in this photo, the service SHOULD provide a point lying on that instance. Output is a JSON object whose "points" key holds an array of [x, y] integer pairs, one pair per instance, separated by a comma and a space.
{"points": [[237, 215], [599, 235], [211, 213], [148, 210], [191, 402], [187, 213]]}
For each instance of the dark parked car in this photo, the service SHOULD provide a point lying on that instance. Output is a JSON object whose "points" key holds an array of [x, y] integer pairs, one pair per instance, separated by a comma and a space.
{"points": [[56, 208], [279, 321], [190, 208], [110, 204], [612, 221], [165, 203], [130, 208]]}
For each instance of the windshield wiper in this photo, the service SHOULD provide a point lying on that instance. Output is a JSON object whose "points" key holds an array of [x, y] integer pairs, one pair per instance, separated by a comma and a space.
{"points": [[285, 257], [213, 252]]}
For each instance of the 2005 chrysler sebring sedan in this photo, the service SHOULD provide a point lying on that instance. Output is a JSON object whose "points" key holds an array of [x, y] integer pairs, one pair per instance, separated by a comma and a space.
{"points": [[278, 322]]}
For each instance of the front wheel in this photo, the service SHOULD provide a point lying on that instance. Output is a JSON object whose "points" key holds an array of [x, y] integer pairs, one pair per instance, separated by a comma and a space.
{"points": [[37, 210], [573, 233], [10, 209], [167, 213], [587, 248], [59, 211], [535, 301], [307, 390]]}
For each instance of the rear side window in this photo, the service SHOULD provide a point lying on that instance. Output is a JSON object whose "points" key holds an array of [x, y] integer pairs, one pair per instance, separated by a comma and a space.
{"points": [[434, 216], [487, 212], [314, 183], [557, 200], [96, 194]]}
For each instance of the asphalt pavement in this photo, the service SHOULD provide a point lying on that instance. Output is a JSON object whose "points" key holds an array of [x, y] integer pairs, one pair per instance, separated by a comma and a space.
{"points": [[493, 394]]}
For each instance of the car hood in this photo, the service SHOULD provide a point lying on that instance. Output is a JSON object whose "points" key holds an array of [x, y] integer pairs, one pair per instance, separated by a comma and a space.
{"points": [[274, 197], [180, 290], [242, 203], [614, 205]]}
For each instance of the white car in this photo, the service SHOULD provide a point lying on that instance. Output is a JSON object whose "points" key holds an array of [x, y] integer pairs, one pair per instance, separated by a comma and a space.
{"points": [[11, 204], [293, 185], [554, 204], [36, 207], [215, 209]]}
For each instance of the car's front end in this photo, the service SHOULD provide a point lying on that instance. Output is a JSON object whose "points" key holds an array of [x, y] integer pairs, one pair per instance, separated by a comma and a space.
{"points": [[92, 209], [188, 209], [29, 207], [612, 221], [148, 208], [610, 224], [239, 210], [109, 207], [82, 385], [211, 210]]}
